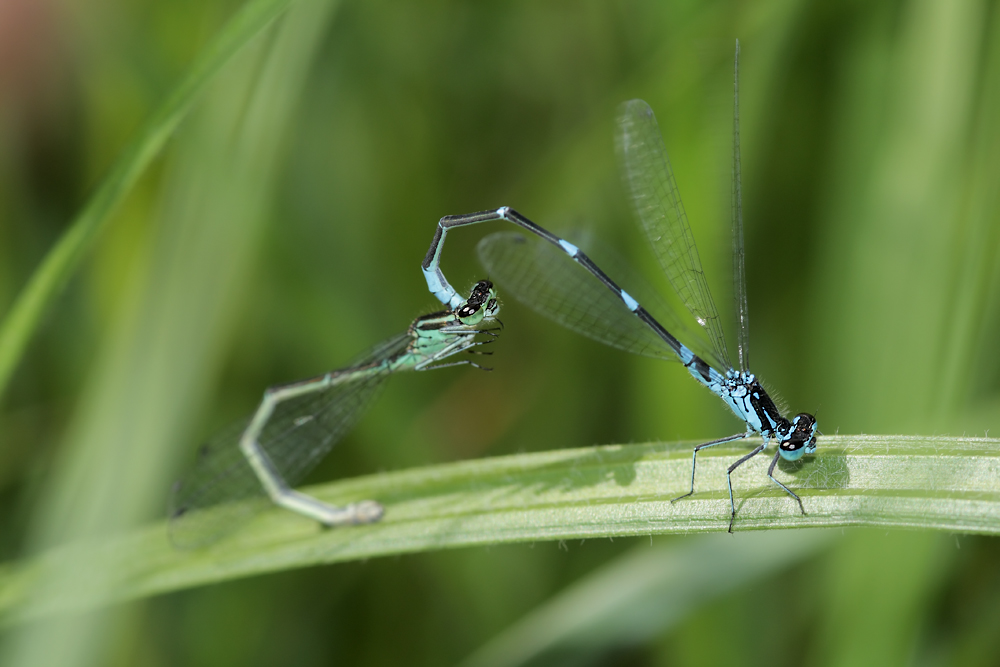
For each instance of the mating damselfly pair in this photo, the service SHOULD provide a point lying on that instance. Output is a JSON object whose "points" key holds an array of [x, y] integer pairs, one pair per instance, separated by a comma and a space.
{"points": [[297, 424]]}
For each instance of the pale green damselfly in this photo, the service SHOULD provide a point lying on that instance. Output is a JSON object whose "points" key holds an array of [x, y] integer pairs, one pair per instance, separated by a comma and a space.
{"points": [[256, 461]]}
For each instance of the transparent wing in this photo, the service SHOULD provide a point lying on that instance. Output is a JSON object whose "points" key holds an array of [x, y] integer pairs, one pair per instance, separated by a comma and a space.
{"points": [[739, 261], [621, 271], [544, 278], [220, 474], [650, 180], [300, 432]]}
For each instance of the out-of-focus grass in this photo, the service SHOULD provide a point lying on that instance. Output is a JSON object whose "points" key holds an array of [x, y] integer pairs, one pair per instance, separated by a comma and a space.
{"points": [[640, 594], [113, 471], [20, 322], [932, 483]]}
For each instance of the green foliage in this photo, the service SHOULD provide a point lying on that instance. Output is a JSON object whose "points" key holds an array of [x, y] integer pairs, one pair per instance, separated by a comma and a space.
{"points": [[614, 491], [64, 259]]}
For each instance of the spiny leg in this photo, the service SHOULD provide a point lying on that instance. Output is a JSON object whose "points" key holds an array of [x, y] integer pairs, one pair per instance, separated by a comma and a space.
{"points": [[770, 473], [463, 362], [480, 353], [464, 330], [462, 343], [365, 511], [694, 458], [729, 479]]}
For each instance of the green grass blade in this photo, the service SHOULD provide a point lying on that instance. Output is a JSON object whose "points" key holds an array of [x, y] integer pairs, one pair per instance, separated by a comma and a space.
{"points": [[889, 481], [63, 259], [639, 595]]}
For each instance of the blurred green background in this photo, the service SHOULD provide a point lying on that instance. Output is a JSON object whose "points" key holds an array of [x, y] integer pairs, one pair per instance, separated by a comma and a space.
{"points": [[282, 230]]}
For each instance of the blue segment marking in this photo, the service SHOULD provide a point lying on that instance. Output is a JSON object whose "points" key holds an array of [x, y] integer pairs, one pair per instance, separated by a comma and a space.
{"points": [[632, 304], [570, 249]]}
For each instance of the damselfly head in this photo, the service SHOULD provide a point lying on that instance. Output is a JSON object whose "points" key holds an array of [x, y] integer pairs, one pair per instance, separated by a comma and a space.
{"points": [[481, 304], [801, 439]]}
